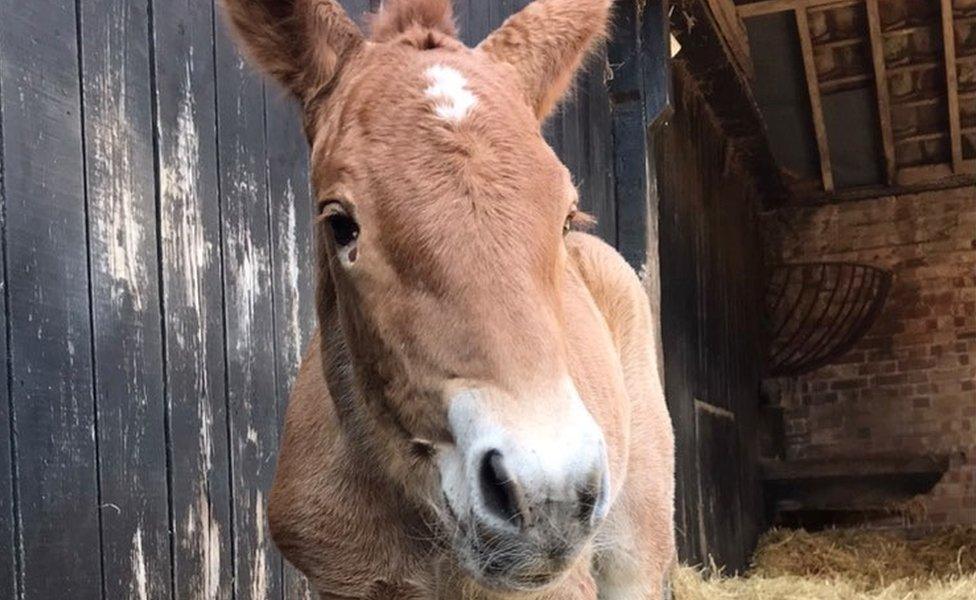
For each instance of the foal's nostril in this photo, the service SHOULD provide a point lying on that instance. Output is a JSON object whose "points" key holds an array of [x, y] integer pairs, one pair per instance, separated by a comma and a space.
{"points": [[593, 497], [500, 491]]}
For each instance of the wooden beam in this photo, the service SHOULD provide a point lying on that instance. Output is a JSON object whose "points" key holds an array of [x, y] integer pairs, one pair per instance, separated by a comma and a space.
{"points": [[705, 57], [816, 107], [732, 28], [765, 7], [952, 86], [881, 84], [804, 196]]}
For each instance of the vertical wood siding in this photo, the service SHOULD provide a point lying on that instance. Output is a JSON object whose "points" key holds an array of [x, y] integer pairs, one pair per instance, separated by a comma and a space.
{"points": [[127, 345], [49, 319], [157, 286], [710, 290]]}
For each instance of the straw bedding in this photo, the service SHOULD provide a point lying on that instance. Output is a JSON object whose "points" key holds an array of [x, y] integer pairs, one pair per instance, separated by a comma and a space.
{"points": [[846, 564]]}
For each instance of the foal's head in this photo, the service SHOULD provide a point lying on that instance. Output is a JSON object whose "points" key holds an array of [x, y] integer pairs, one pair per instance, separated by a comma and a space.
{"points": [[443, 266]]}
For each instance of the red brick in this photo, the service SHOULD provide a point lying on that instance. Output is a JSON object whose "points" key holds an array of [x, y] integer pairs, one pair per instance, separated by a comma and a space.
{"points": [[910, 385]]}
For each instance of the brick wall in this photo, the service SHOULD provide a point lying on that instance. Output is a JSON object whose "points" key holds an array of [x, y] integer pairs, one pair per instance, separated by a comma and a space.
{"points": [[908, 386]]}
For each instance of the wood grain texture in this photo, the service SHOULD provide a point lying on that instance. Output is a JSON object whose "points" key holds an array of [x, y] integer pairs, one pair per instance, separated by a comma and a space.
{"points": [[709, 252], [292, 261], [192, 299], [157, 225], [630, 170], [128, 350], [654, 44], [9, 540], [629, 136], [596, 176], [50, 335], [952, 85], [816, 106], [734, 32], [765, 7], [249, 318], [881, 89]]}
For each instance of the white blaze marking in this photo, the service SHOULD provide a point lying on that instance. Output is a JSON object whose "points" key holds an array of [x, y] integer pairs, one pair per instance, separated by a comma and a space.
{"points": [[448, 89]]}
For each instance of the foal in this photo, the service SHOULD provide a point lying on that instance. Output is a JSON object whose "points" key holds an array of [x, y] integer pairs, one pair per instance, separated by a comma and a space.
{"points": [[479, 415]]}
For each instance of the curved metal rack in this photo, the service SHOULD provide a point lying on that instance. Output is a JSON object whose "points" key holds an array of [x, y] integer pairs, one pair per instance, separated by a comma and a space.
{"points": [[818, 311]]}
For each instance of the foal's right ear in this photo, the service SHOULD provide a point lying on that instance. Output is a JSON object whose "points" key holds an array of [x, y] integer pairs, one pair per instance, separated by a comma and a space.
{"points": [[301, 43]]}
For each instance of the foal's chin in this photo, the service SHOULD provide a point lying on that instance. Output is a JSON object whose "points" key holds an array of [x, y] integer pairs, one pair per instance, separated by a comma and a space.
{"points": [[505, 564], [526, 574]]}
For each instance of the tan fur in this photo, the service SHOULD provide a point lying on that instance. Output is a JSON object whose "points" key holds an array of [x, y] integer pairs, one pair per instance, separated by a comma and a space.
{"points": [[543, 43], [398, 16], [463, 275]]}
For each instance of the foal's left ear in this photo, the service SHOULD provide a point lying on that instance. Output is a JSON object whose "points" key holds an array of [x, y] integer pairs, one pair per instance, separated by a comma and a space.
{"points": [[546, 42], [301, 43]]}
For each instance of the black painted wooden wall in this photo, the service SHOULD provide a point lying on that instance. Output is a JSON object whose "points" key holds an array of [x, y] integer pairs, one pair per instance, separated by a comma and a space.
{"points": [[711, 286], [157, 290]]}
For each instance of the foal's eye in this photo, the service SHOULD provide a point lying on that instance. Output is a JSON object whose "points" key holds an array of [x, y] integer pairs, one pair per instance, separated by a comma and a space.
{"points": [[345, 230], [568, 223]]}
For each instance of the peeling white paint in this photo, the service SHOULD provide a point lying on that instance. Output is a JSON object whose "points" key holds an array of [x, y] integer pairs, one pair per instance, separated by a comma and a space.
{"points": [[259, 562], [252, 264], [291, 273], [188, 254], [203, 531], [117, 226], [643, 273], [140, 584]]}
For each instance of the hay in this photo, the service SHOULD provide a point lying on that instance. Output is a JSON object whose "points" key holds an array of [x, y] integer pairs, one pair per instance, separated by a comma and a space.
{"points": [[846, 564], [866, 558], [690, 584]]}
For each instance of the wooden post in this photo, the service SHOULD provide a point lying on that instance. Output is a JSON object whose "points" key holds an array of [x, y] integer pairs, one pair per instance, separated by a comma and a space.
{"points": [[952, 86], [881, 83], [816, 107]]}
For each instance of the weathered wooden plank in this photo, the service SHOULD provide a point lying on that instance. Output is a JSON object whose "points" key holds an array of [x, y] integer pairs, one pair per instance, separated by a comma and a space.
{"points": [[192, 298], [498, 11], [679, 327], [952, 86], [765, 7], [728, 94], [710, 328], [654, 43], [630, 192], [568, 119], [249, 318], [50, 336], [125, 298], [629, 136], [292, 260], [9, 540], [733, 31], [624, 54], [479, 23], [597, 168], [720, 509], [881, 87], [816, 106], [461, 15]]}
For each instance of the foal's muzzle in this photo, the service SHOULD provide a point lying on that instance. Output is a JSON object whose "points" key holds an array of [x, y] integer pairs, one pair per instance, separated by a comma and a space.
{"points": [[528, 493]]}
